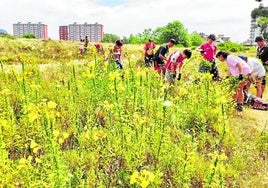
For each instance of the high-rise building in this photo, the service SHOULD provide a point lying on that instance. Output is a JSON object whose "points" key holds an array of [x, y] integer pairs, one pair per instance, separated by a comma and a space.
{"points": [[64, 33], [94, 32], [254, 29], [39, 30]]}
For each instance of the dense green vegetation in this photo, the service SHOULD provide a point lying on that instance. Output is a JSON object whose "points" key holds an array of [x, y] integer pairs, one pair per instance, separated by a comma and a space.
{"points": [[160, 35], [82, 123], [261, 15]]}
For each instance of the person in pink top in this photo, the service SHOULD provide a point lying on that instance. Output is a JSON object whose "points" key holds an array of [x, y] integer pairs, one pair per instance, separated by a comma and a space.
{"points": [[208, 51], [237, 68], [117, 51], [174, 64]]}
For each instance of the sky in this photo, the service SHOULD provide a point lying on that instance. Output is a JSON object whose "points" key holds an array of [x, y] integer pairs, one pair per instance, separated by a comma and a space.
{"points": [[124, 17]]}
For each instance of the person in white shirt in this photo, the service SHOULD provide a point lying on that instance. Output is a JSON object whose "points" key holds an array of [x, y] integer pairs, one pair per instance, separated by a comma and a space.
{"points": [[257, 75], [175, 63]]}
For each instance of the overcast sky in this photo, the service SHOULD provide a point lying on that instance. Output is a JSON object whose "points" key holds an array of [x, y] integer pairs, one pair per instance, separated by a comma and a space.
{"points": [[125, 17]]}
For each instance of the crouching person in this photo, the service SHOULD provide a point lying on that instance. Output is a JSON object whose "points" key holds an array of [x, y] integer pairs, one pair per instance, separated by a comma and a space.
{"points": [[239, 69], [257, 75], [174, 65]]}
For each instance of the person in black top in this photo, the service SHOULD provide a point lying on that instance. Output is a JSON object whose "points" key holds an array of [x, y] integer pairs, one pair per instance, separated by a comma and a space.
{"points": [[262, 50], [160, 56], [262, 53]]}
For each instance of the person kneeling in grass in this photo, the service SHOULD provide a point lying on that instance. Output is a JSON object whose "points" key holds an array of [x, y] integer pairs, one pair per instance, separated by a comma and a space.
{"points": [[240, 69], [174, 64]]}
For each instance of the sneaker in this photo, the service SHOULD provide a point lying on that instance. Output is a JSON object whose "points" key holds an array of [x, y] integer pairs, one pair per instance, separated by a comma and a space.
{"points": [[239, 107]]}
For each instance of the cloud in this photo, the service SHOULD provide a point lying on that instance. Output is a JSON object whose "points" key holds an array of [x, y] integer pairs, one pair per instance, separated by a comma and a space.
{"points": [[125, 17]]}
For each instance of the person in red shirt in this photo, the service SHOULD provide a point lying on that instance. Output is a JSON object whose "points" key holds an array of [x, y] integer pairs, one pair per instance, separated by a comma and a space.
{"points": [[208, 51], [149, 52], [117, 51], [99, 48], [175, 63]]}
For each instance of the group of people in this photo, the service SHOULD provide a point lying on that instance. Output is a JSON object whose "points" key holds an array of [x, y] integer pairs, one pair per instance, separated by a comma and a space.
{"points": [[83, 45], [171, 66], [247, 70]]}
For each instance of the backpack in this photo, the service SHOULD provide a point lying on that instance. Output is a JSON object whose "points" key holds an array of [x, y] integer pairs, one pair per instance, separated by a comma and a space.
{"points": [[255, 102]]}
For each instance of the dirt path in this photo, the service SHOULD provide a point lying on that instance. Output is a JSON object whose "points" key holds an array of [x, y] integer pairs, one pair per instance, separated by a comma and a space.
{"points": [[257, 119]]}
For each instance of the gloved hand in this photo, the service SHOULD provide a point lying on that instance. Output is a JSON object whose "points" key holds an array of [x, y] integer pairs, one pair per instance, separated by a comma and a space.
{"points": [[179, 76], [240, 77], [202, 51]]}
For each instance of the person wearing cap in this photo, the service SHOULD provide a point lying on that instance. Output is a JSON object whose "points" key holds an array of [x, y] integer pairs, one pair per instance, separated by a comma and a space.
{"points": [[257, 75], [149, 52], [160, 56], [208, 51], [262, 50], [239, 69], [175, 63]]}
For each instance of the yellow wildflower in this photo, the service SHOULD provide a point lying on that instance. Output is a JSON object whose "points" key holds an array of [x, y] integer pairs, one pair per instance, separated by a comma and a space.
{"points": [[134, 177], [33, 144], [51, 105], [56, 133]]}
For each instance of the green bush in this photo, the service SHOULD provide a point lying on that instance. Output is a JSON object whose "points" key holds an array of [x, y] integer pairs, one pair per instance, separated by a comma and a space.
{"points": [[28, 36], [231, 46]]}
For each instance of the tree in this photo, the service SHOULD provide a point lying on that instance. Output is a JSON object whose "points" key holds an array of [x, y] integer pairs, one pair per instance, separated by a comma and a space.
{"points": [[258, 12], [126, 40], [142, 37], [196, 39], [262, 22], [134, 39], [110, 38], [173, 30]]}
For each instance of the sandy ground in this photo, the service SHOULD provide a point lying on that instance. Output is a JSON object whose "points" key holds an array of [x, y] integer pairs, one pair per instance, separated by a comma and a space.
{"points": [[253, 118]]}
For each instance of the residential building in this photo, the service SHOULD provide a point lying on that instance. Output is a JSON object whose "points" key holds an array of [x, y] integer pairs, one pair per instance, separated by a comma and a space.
{"points": [[39, 30], [94, 32], [64, 33]]}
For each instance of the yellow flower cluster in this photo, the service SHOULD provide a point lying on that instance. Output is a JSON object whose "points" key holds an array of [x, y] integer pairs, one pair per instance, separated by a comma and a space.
{"points": [[61, 137], [143, 178]]}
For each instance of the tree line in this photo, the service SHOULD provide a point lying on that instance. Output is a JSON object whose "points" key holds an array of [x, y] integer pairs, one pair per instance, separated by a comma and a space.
{"points": [[161, 35]]}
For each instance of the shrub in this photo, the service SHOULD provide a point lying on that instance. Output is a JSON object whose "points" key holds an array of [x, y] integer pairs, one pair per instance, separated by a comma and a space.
{"points": [[231, 46], [28, 36]]}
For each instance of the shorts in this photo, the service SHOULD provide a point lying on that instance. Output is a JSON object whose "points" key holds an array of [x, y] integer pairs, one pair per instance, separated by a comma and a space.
{"points": [[169, 77], [257, 80], [159, 66]]}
